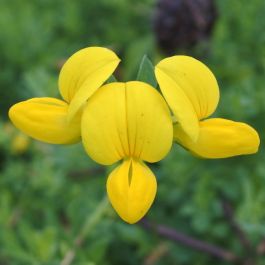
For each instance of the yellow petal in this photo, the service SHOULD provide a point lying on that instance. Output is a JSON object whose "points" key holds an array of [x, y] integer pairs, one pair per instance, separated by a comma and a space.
{"points": [[131, 189], [83, 73], [126, 119], [103, 125], [150, 130], [220, 138], [20, 143], [190, 89], [45, 119]]}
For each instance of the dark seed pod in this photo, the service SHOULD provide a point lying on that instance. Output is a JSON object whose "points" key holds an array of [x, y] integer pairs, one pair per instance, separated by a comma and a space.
{"points": [[183, 23]]}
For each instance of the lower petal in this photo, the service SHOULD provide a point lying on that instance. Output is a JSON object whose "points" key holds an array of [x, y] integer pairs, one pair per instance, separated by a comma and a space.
{"points": [[45, 119], [220, 138], [131, 189]]}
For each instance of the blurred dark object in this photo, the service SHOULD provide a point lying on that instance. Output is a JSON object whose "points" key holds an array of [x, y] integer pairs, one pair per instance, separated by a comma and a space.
{"points": [[183, 23]]}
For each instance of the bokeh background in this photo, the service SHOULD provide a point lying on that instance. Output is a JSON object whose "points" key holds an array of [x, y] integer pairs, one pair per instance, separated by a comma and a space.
{"points": [[52, 198]]}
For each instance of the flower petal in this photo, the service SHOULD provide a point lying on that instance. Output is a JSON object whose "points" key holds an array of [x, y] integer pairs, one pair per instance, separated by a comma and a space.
{"points": [[45, 119], [131, 189], [150, 130], [220, 138], [103, 125], [190, 89], [126, 119], [83, 73]]}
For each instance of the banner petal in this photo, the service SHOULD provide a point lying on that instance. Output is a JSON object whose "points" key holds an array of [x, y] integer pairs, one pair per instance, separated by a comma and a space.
{"points": [[83, 73], [126, 120], [190, 89]]}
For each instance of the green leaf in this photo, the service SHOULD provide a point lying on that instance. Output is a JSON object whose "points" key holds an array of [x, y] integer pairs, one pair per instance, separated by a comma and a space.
{"points": [[146, 72]]}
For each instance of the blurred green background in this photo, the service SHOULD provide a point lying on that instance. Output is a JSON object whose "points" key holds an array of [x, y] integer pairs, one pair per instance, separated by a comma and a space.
{"points": [[52, 206]]}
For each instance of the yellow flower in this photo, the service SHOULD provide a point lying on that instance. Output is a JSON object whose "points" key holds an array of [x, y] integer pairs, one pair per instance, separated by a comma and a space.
{"points": [[129, 122], [20, 143], [192, 93], [120, 121], [57, 121]]}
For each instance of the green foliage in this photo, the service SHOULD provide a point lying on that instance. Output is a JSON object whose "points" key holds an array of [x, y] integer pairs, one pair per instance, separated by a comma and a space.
{"points": [[146, 72], [50, 195], [36, 37]]}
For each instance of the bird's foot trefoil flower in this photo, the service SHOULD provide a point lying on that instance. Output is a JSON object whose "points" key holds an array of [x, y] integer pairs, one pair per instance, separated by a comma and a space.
{"points": [[192, 93], [129, 122], [57, 121]]}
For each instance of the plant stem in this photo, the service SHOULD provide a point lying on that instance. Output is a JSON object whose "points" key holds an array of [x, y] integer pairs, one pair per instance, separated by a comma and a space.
{"points": [[183, 239], [229, 215], [89, 224]]}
